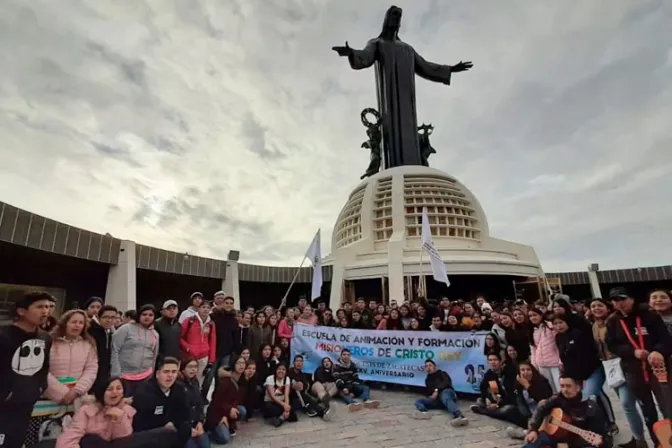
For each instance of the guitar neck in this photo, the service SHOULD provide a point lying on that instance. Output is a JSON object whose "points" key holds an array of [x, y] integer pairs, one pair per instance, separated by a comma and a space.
{"points": [[584, 434]]}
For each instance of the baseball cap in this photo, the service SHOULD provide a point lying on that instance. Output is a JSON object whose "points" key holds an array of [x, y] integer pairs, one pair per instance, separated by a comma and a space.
{"points": [[618, 293], [196, 294], [168, 303], [220, 294]]}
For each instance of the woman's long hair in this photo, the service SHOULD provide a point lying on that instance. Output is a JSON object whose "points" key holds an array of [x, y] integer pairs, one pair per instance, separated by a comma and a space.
{"points": [[59, 331], [99, 393]]}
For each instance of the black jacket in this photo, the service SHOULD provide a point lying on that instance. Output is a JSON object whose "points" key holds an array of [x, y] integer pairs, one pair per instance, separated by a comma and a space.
{"points": [[584, 414], [300, 377], [265, 369], [505, 386], [242, 339], [169, 337], [578, 353], [438, 380], [226, 324], [539, 389], [323, 375], [103, 340], [655, 335], [194, 400], [155, 409], [24, 366]]}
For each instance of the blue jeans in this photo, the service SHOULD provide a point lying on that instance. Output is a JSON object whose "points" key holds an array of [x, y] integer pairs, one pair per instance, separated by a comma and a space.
{"points": [[221, 433], [199, 442], [594, 386], [360, 391], [543, 440], [629, 404], [447, 400]]}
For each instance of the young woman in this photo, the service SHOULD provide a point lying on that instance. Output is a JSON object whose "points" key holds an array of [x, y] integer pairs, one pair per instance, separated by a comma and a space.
{"points": [[106, 419], [467, 320], [453, 324], [277, 407], [544, 351], [135, 347], [515, 335], [225, 409], [531, 389], [391, 323], [511, 361], [272, 324], [92, 307], [415, 324], [405, 317], [660, 302], [600, 310], [343, 322], [73, 362], [189, 377], [492, 345], [324, 384], [265, 367], [260, 334]]}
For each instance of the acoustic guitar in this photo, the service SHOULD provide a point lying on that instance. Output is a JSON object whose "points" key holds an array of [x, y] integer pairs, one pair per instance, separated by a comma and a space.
{"points": [[558, 424], [662, 428], [495, 396]]}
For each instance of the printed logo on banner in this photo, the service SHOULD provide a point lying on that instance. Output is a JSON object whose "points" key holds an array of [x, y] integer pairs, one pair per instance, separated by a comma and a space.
{"points": [[396, 356]]}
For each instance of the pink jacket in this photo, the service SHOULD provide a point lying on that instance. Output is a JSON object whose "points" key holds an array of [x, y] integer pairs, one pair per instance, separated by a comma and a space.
{"points": [[284, 330], [77, 360], [545, 351], [91, 419]]}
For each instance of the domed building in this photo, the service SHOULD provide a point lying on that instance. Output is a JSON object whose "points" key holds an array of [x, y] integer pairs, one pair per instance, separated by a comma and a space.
{"points": [[376, 241]]}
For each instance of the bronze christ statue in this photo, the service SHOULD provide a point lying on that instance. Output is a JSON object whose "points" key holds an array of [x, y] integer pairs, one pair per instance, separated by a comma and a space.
{"points": [[397, 63]]}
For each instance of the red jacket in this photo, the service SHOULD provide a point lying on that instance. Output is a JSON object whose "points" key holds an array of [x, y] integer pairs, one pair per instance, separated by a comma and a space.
{"points": [[198, 340]]}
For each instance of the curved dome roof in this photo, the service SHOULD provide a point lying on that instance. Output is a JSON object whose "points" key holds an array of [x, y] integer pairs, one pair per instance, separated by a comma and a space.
{"points": [[400, 194]]}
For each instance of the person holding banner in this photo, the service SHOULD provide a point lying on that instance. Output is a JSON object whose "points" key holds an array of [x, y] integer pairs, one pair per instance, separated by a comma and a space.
{"points": [[349, 384], [441, 395]]}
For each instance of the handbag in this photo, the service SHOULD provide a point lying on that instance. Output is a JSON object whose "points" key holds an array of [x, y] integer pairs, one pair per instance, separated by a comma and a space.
{"points": [[614, 372]]}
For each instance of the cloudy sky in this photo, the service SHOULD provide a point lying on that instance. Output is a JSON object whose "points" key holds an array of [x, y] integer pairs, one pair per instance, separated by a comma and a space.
{"points": [[209, 125]]}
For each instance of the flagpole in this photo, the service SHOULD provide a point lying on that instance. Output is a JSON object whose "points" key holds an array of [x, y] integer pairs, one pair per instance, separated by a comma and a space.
{"points": [[420, 287], [298, 270]]}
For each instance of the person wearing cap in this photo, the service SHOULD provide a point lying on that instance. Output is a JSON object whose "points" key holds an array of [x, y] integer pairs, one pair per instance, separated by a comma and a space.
{"points": [[196, 302], [168, 329], [639, 337], [24, 368]]}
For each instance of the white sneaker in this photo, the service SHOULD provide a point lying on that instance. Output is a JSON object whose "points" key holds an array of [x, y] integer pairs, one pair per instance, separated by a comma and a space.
{"points": [[328, 413], [420, 415], [355, 407], [516, 433]]}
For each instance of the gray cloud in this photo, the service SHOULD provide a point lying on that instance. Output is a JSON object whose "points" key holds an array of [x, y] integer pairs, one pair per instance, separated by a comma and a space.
{"points": [[207, 126]]}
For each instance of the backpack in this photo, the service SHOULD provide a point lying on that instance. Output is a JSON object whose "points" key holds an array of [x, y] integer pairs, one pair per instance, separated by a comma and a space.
{"points": [[192, 319]]}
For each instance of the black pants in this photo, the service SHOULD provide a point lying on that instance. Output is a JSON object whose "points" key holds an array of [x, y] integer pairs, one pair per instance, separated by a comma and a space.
{"points": [[274, 410], [508, 413], [14, 421], [307, 402]]}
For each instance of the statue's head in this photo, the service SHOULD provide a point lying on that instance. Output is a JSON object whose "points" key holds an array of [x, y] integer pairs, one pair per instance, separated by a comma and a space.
{"points": [[392, 22]]}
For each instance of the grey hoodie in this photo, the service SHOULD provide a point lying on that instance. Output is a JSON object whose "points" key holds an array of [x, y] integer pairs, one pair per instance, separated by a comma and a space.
{"points": [[134, 349]]}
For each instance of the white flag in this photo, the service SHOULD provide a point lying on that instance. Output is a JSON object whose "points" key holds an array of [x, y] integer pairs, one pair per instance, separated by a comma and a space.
{"points": [[314, 254], [438, 267]]}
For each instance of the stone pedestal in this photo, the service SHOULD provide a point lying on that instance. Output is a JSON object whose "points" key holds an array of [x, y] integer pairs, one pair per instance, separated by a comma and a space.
{"points": [[230, 284], [121, 279]]}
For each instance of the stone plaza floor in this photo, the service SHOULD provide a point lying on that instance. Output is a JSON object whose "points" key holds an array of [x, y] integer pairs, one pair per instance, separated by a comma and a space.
{"points": [[390, 426]]}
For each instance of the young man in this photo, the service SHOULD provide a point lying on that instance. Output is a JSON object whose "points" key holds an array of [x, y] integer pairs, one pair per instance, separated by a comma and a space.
{"points": [[196, 301], [101, 330], [169, 330], [441, 395], [24, 366], [584, 414], [161, 404], [226, 327], [436, 324], [50, 322], [198, 339], [498, 399], [350, 386], [300, 397]]}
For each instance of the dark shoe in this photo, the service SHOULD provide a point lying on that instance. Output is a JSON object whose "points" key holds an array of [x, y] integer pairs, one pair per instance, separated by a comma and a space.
{"points": [[277, 422]]}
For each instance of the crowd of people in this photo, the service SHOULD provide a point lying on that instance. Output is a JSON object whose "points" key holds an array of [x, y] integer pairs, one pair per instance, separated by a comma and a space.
{"points": [[99, 376]]}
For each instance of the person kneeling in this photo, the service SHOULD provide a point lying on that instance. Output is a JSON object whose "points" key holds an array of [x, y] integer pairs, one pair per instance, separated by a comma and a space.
{"points": [[585, 416], [301, 384], [441, 395], [349, 385], [225, 408], [277, 407]]}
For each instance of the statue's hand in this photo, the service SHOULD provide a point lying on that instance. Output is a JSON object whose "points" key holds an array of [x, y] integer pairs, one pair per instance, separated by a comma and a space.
{"points": [[462, 66], [343, 51]]}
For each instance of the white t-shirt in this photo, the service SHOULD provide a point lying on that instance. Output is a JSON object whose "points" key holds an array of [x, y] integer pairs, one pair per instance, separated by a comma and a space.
{"points": [[278, 388]]}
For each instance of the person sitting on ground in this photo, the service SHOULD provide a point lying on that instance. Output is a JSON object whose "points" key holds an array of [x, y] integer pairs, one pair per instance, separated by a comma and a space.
{"points": [[324, 384], [302, 399], [277, 406], [188, 379], [161, 404], [498, 399], [441, 395], [350, 386], [101, 421], [532, 389], [225, 408], [248, 391], [584, 414]]}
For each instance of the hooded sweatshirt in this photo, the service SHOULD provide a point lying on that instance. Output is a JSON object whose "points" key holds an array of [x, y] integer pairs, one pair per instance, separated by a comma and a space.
{"points": [[24, 367], [103, 340], [134, 350], [345, 374], [228, 394], [324, 375]]}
